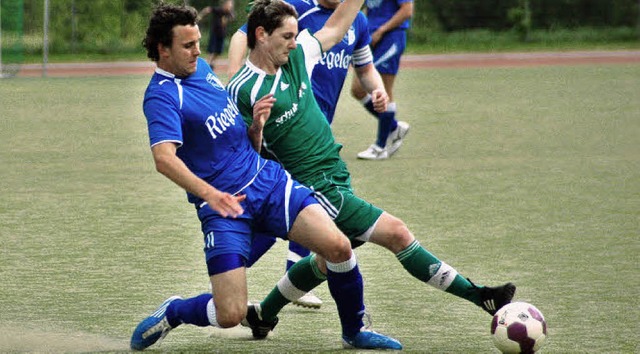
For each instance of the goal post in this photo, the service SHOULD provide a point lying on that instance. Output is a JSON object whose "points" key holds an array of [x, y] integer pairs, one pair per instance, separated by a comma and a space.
{"points": [[11, 37]]}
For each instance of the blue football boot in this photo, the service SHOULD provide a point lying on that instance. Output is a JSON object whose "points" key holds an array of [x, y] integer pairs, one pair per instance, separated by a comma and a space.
{"points": [[368, 339], [152, 328]]}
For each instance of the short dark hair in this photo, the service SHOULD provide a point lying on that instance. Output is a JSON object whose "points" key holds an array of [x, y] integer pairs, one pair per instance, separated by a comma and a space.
{"points": [[269, 14], [160, 30]]}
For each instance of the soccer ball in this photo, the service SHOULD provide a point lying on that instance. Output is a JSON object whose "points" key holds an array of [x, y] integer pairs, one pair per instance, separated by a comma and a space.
{"points": [[518, 327]]}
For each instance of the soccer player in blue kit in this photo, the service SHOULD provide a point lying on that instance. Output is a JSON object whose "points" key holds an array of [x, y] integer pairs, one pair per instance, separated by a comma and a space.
{"points": [[200, 142], [327, 80], [388, 23]]}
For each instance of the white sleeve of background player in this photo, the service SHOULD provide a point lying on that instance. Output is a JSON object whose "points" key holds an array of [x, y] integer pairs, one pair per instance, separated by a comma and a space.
{"points": [[362, 56], [311, 48]]}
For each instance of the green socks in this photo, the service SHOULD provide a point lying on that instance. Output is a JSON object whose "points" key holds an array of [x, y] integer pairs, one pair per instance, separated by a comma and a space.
{"points": [[304, 275], [301, 278], [429, 269]]}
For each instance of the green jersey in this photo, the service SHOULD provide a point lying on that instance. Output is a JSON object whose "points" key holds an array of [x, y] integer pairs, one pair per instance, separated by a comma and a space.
{"points": [[297, 134]]}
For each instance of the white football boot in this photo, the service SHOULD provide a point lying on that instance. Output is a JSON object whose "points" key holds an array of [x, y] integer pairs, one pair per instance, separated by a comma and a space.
{"points": [[394, 141], [374, 152], [309, 300]]}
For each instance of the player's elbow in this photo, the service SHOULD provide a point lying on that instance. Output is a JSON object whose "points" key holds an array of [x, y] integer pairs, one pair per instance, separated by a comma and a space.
{"points": [[164, 155], [162, 162]]}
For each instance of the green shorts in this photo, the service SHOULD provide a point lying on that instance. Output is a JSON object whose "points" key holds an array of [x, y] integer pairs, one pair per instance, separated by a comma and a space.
{"points": [[354, 216]]}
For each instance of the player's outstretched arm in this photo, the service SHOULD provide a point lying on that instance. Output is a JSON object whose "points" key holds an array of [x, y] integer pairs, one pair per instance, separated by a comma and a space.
{"points": [[170, 165], [237, 53], [371, 81], [338, 24]]}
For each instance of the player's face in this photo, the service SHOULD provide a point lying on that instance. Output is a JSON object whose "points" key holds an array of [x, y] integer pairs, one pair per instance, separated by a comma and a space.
{"points": [[180, 59], [282, 41]]}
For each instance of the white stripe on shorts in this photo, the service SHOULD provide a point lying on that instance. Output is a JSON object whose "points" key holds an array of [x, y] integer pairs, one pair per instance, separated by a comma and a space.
{"points": [[388, 54], [287, 197]]}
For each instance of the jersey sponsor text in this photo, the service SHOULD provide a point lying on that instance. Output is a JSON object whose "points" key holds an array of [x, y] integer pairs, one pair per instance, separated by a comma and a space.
{"points": [[288, 114], [220, 121], [339, 60]]}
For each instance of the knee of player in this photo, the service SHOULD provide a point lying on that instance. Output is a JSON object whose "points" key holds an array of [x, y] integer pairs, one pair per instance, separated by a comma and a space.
{"points": [[339, 251], [398, 235], [231, 317]]}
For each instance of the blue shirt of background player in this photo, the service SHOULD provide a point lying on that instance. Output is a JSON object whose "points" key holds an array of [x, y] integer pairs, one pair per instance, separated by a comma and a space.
{"points": [[213, 143], [329, 74], [380, 11]]}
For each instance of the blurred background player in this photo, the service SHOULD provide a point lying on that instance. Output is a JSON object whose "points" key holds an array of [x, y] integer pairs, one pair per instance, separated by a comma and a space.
{"points": [[220, 17], [327, 80], [388, 23]]}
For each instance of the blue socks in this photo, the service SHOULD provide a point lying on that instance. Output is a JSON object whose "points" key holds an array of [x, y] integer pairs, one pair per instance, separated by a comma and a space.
{"points": [[386, 120], [368, 104], [192, 311], [346, 287]]}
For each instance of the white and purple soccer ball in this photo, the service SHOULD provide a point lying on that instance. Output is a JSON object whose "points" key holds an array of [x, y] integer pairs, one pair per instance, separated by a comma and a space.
{"points": [[518, 327]]}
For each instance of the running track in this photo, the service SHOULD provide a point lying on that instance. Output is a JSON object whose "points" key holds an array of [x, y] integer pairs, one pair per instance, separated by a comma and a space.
{"points": [[408, 61]]}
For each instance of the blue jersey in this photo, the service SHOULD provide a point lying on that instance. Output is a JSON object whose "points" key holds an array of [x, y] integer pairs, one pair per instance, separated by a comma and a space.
{"points": [[380, 11], [213, 142], [197, 114], [330, 73]]}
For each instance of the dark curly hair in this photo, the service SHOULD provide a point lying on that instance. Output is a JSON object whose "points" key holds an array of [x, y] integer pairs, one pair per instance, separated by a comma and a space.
{"points": [[160, 30], [268, 14]]}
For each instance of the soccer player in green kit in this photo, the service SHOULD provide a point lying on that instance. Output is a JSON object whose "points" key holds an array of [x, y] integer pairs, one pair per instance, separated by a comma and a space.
{"points": [[298, 136]]}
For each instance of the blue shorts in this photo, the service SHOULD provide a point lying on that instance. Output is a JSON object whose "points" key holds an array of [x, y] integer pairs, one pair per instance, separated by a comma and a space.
{"points": [[387, 53], [354, 216], [273, 203]]}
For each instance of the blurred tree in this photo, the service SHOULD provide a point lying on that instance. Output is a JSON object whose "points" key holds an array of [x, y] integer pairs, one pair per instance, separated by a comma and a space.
{"points": [[456, 15], [521, 18]]}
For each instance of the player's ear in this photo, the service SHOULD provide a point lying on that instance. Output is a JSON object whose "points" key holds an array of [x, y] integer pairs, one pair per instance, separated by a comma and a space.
{"points": [[261, 34], [163, 51]]}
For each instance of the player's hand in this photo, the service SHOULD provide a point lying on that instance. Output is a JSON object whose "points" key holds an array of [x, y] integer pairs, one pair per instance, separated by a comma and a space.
{"points": [[262, 110], [380, 99], [375, 38], [226, 204]]}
